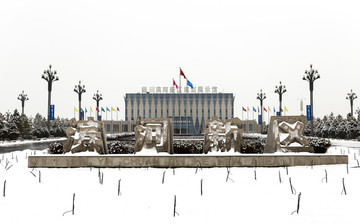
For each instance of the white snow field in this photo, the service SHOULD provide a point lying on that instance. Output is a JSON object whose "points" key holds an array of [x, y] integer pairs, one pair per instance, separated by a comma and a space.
{"points": [[145, 198]]}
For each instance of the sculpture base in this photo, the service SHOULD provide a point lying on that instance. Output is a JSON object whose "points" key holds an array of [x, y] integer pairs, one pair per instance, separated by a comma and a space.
{"points": [[176, 161], [299, 149]]}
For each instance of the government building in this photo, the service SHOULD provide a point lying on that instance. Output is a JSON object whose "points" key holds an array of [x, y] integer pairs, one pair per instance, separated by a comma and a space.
{"points": [[189, 108]]}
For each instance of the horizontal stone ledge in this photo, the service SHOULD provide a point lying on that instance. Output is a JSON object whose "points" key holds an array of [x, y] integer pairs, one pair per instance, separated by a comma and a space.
{"points": [[177, 161]]}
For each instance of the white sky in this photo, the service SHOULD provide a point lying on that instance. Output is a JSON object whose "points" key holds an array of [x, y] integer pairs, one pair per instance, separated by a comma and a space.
{"points": [[117, 47]]}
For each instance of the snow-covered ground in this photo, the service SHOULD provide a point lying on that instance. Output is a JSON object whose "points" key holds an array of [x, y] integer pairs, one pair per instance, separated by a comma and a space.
{"points": [[24, 142], [145, 198]]}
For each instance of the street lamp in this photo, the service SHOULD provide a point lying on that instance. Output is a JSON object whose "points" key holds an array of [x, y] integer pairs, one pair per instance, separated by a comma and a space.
{"points": [[311, 76], [261, 96], [79, 89], [50, 77], [23, 97], [281, 89], [351, 96], [97, 97]]}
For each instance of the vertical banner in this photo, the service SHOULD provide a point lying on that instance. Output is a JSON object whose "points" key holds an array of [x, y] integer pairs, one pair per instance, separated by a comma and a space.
{"points": [[99, 118], [82, 115], [277, 113], [308, 112], [52, 112], [259, 118]]}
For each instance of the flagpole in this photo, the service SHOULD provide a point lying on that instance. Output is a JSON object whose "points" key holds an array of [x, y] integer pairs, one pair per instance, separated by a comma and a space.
{"points": [[242, 114], [253, 113], [117, 113], [180, 79], [111, 113], [74, 113]]}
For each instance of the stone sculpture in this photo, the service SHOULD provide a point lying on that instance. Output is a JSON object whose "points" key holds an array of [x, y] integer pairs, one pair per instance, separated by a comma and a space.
{"points": [[286, 134], [154, 132], [221, 135], [85, 136]]}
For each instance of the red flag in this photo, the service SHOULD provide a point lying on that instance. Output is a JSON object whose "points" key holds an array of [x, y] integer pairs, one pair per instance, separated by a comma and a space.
{"points": [[174, 83], [244, 109], [182, 73], [265, 109], [118, 109], [97, 109]]}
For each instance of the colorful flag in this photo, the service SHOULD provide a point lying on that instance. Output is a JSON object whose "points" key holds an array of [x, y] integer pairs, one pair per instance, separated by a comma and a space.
{"points": [[102, 109], [174, 84], [274, 110], [286, 109], [281, 110], [118, 109], [81, 110], [113, 109], [265, 109], [244, 109], [85, 110], [76, 109], [97, 109], [91, 109], [269, 108], [190, 84], [182, 74], [248, 109], [107, 109], [254, 109]]}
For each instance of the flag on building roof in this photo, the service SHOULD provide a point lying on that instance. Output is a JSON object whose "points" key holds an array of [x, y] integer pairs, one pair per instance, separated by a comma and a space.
{"points": [[286, 109], [112, 109], [76, 109], [174, 84], [281, 110], [81, 110], [244, 109], [248, 109], [269, 108], [107, 109], [265, 109], [182, 74], [85, 110], [102, 109], [254, 109], [274, 110], [91, 109], [118, 109], [190, 84]]}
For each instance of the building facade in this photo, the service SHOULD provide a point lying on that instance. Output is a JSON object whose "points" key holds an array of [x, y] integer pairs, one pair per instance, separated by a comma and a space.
{"points": [[189, 110]]}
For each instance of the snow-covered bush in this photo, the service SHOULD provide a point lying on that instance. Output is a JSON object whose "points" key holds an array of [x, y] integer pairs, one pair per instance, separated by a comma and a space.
{"points": [[188, 147], [124, 147], [56, 148], [320, 144]]}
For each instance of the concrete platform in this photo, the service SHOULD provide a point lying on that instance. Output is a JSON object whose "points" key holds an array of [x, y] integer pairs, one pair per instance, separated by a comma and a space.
{"points": [[168, 161]]}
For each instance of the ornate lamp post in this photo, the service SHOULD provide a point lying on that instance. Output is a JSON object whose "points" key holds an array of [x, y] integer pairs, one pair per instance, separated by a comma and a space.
{"points": [[79, 89], [281, 89], [261, 96], [50, 77], [311, 76], [351, 96], [97, 97], [23, 97]]}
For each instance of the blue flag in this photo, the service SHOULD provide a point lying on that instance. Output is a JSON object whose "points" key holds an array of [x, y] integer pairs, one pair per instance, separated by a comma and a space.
{"points": [[85, 110], [254, 109], [107, 109], [190, 84]]}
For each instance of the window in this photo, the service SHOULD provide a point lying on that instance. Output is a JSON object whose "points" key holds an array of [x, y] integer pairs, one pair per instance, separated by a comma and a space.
{"points": [[116, 128]]}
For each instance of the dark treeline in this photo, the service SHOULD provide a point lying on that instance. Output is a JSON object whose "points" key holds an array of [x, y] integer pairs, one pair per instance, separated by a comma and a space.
{"points": [[16, 126], [335, 127]]}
